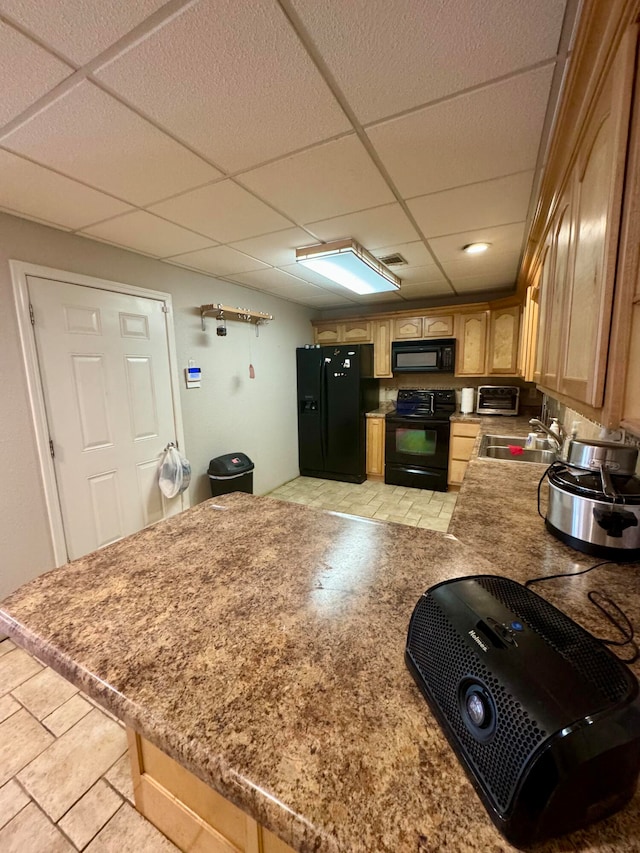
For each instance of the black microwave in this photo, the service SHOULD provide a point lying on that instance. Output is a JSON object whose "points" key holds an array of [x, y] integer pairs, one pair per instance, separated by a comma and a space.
{"points": [[430, 356]]}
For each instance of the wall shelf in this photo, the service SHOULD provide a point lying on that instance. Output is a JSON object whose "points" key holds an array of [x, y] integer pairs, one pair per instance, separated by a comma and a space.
{"points": [[226, 312]]}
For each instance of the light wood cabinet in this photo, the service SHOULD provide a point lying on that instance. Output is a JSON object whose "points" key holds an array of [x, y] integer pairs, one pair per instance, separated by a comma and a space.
{"points": [[598, 176], [375, 448], [624, 354], [188, 811], [346, 332], [356, 331], [414, 328], [407, 328], [581, 245], [545, 277], [463, 439], [438, 327], [382, 349], [504, 328], [471, 350], [529, 333], [559, 268]]}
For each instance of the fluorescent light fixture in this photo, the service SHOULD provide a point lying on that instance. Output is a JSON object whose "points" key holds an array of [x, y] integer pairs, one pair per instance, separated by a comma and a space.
{"points": [[349, 264], [475, 248]]}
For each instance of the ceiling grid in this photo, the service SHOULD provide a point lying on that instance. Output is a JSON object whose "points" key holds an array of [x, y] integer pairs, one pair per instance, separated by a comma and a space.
{"points": [[222, 135]]}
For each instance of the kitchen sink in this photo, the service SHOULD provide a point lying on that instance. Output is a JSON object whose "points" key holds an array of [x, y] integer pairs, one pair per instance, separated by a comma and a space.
{"points": [[499, 447]]}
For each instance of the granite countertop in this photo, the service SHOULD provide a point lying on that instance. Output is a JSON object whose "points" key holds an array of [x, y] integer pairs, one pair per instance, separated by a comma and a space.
{"points": [[261, 644], [381, 411]]}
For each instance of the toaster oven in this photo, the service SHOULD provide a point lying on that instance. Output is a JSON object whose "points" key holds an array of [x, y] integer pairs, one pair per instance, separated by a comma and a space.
{"points": [[498, 400]]}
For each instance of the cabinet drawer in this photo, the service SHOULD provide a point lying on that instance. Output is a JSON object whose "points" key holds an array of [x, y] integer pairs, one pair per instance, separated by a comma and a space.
{"points": [[465, 429], [462, 447]]}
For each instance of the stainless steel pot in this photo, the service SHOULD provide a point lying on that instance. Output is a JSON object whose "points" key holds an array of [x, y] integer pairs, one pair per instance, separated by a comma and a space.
{"points": [[593, 455], [583, 516]]}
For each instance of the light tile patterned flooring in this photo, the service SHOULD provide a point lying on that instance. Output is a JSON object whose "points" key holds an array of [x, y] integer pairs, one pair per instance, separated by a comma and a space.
{"points": [[64, 773], [373, 499], [65, 783]]}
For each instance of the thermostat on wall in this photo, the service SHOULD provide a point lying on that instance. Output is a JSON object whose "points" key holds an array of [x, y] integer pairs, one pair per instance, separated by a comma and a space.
{"points": [[193, 375]]}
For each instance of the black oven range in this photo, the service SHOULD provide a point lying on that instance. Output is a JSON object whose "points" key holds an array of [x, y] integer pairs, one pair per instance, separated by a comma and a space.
{"points": [[417, 438]]}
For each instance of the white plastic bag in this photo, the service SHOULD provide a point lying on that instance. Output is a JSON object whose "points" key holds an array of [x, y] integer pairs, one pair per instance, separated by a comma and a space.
{"points": [[175, 473]]}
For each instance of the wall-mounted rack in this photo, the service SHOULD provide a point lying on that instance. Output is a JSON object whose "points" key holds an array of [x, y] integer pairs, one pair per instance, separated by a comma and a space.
{"points": [[226, 312]]}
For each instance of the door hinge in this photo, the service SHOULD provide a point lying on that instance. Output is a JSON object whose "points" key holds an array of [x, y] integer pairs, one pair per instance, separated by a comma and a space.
{"points": [[51, 450], [165, 309], [32, 315]]}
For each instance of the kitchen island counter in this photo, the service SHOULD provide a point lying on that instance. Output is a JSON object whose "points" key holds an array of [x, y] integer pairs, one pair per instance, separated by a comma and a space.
{"points": [[260, 644]]}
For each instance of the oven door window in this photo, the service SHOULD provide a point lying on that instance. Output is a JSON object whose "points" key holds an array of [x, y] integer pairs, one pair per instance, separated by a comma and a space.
{"points": [[411, 441]]}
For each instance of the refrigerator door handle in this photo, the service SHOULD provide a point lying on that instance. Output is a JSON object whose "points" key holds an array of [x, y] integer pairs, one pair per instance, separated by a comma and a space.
{"points": [[324, 404]]}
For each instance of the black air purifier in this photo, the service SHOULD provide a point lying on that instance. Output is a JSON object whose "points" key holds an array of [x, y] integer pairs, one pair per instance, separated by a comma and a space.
{"points": [[544, 719]]}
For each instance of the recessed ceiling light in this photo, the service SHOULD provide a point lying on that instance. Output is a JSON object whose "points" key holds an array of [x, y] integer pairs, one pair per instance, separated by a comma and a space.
{"points": [[475, 248]]}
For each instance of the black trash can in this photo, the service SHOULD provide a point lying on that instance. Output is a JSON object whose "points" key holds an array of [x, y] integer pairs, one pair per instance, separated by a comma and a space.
{"points": [[232, 472]]}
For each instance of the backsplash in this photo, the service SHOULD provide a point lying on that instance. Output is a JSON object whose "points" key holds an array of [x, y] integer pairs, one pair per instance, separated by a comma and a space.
{"points": [[586, 428], [530, 397]]}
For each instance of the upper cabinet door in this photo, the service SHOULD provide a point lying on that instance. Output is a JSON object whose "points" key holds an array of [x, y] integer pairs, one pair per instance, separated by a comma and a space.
{"points": [[598, 176], [407, 328], [326, 333], [356, 331], [382, 348], [543, 301], [558, 285], [438, 327], [504, 328], [471, 335]]}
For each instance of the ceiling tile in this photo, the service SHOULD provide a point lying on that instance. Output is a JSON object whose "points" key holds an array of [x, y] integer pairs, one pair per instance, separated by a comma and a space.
{"points": [[414, 253], [234, 97], [503, 238], [278, 248], [34, 191], [420, 275], [147, 233], [27, 72], [496, 202], [501, 263], [386, 60], [481, 135], [272, 279], [88, 135], [221, 260], [425, 290], [487, 282], [327, 300], [378, 226], [79, 29], [222, 210], [371, 298], [328, 180]]}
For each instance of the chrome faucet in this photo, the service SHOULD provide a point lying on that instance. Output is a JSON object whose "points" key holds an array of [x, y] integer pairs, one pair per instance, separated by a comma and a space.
{"points": [[558, 440]]}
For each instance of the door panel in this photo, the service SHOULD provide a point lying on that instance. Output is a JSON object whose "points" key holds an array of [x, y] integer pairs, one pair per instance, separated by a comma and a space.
{"points": [[104, 362], [142, 398]]}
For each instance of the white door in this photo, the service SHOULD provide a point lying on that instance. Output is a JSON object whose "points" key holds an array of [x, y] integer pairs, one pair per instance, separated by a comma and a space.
{"points": [[104, 362]]}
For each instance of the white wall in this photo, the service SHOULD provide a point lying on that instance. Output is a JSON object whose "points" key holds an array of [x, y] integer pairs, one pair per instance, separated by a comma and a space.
{"points": [[231, 412]]}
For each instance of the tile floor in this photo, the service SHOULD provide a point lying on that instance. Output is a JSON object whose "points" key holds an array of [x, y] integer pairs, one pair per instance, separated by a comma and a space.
{"points": [[65, 783], [64, 772], [373, 499]]}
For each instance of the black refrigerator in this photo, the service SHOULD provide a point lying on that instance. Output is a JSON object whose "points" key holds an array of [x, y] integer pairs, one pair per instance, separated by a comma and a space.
{"points": [[335, 389]]}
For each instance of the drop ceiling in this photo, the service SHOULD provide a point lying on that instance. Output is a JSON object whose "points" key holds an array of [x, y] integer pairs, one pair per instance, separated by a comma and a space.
{"points": [[221, 135]]}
